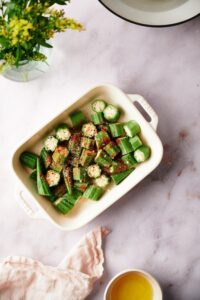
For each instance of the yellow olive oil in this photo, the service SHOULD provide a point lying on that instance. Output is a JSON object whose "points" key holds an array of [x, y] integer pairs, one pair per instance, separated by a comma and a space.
{"points": [[131, 286]]}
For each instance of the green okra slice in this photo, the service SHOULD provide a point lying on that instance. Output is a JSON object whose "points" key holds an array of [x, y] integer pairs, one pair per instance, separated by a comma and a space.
{"points": [[67, 175], [28, 159], [74, 144], [102, 181], [130, 161], [52, 178], [119, 177], [94, 171], [87, 156], [104, 127], [80, 186], [117, 167], [112, 149], [124, 145], [59, 158], [62, 132], [132, 128], [65, 203], [42, 185], [102, 138], [46, 158], [97, 118], [103, 159], [142, 154], [50, 143], [135, 142], [117, 129], [79, 174], [77, 119], [93, 192], [111, 113], [99, 105], [87, 143], [89, 130]]}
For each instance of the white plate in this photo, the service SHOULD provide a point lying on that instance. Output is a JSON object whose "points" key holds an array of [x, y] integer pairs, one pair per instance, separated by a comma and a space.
{"points": [[86, 210], [154, 12]]}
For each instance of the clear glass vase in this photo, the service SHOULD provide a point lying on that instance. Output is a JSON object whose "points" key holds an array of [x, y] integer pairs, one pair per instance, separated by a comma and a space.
{"points": [[27, 71]]}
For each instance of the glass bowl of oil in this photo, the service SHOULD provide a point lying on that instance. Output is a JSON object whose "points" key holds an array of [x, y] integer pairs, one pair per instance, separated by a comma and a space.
{"points": [[133, 284]]}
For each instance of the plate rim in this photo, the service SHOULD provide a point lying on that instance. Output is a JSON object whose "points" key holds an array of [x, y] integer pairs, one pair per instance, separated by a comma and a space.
{"points": [[148, 25]]}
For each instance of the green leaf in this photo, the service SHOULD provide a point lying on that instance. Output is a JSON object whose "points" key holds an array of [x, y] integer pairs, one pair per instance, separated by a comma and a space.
{"points": [[44, 44], [4, 42]]}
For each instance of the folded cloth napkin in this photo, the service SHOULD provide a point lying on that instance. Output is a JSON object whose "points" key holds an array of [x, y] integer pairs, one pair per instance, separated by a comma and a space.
{"points": [[26, 279]]}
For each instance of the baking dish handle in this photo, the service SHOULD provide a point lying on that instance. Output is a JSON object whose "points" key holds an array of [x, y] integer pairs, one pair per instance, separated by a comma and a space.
{"points": [[148, 109], [34, 213]]}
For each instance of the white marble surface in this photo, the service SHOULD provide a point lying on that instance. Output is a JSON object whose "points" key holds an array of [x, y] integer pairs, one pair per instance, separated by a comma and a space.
{"points": [[156, 226]]}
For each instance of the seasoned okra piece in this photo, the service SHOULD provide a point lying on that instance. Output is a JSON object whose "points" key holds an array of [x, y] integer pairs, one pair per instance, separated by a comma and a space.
{"points": [[46, 158], [130, 161], [87, 156], [50, 143], [132, 128], [93, 192], [97, 118], [59, 190], [28, 159], [102, 181], [67, 175], [112, 149], [119, 177], [74, 145], [63, 132], [99, 105], [65, 203], [52, 178], [104, 127], [111, 113], [94, 171], [89, 130], [142, 154], [103, 159], [135, 142], [87, 143], [77, 119], [79, 174], [117, 129], [42, 185], [102, 139], [80, 186], [74, 161], [59, 158], [124, 145], [117, 167]]}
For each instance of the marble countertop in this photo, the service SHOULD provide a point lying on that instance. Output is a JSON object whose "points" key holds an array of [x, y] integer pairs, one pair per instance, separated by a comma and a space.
{"points": [[156, 226]]}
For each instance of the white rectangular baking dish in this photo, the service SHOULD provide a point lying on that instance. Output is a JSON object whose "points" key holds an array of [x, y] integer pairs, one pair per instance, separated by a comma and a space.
{"points": [[86, 210]]}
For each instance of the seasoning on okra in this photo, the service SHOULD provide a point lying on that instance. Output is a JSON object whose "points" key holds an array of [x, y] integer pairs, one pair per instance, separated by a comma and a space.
{"points": [[82, 159]]}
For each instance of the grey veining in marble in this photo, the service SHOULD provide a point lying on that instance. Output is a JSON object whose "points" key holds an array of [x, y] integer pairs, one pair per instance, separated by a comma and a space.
{"points": [[156, 226]]}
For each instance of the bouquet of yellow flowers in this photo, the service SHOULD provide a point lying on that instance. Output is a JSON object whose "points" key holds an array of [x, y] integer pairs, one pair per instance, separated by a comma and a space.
{"points": [[28, 25]]}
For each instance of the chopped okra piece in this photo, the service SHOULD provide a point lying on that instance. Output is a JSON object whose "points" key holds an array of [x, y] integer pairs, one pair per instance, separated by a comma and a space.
{"points": [[111, 113], [77, 119], [46, 158], [124, 145], [74, 144], [102, 139], [103, 159], [89, 130], [65, 203], [28, 159], [93, 192], [87, 156], [50, 143], [42, 185], [112, 149], [74, 161], [117, 167], [67, 175], [87, 143], [117, 129], [135, 142], [79, 174], [63, 132], [102, 181], [97, 118], [99, 105], [59, 158], [117, 178], [104, 127], [80, 186], [52, 178], [132, 128], [129, 160], [142, 154], [94, 171]]}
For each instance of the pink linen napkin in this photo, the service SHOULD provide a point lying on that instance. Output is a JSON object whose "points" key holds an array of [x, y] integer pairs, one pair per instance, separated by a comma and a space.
{"points": [[26, 279]]}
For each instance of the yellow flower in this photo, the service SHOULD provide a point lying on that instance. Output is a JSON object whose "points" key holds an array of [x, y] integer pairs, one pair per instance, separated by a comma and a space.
{"points": [[19, 30]]}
